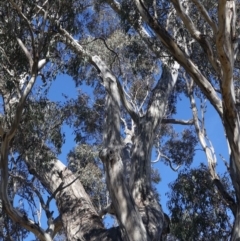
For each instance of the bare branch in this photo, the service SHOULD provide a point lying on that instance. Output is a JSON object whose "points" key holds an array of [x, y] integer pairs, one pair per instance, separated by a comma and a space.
{"points": [[41, 63], [210, 154], [177, 121], [170, 163], [41, 9], [25, 221], [58, 189], [20, 218], [105, 43], [209, 151], [140, 109], [23, 179], [55, 226], [159, 154], [126, 103], [225, 162]]}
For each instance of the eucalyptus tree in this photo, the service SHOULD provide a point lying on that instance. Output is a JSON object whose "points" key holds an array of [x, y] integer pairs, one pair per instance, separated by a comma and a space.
{"points": [[131, 52], [203, 37], [38, 42], [198, 209]]}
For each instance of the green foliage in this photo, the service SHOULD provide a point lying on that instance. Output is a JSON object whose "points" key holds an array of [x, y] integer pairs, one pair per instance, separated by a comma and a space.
{"points": [[42, 120], [83, 161], [180, 148], [86, 119], [197, 209]]}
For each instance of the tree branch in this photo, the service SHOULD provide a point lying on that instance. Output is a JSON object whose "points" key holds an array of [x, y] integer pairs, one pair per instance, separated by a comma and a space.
{"points": [[161, 92], [116, 92], [55, 226], [167, 159], [225, 49], [206, 16], [79, 206], [209, 151], [197, 35], [20, 218], [181, 57], [177, 121], [26, 52], [57, 223], [210, 155]]}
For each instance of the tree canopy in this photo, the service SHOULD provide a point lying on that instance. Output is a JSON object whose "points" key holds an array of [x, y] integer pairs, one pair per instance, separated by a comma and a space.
{"points": [[138, 58]]}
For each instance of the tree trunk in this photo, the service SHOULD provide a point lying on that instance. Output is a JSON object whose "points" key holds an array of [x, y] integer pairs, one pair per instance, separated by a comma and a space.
{"points": [[235, 231], [79, 218], [234, 172], [124, 206]]}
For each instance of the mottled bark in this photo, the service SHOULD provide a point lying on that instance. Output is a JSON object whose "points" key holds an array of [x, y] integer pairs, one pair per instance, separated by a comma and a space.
{"points": [[138, 213], [140, 182], [225, 37], [151, 212], [125, 208], [236, 230], [79, 218]]}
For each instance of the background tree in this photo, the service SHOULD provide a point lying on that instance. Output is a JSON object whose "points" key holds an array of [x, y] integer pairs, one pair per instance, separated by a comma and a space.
{"points": [[198, 210]]}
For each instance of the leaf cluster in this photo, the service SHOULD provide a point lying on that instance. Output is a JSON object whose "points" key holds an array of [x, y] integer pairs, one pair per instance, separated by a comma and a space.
{"points": [[84, 162], [197, 209]]}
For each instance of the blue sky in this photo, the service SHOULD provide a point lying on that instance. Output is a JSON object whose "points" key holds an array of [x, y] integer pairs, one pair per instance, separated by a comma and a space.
{"points": [[215, 132], [64, 84]]}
